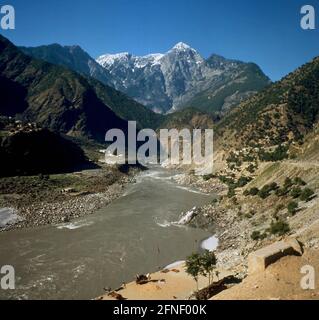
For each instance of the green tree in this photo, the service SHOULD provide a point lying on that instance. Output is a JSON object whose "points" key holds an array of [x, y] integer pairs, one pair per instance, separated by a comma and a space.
{"points": [[193, 266], [296, 192], [306, 194], [292, 207], [208, 264], [299, 182], [254, 191], [288, 183]]}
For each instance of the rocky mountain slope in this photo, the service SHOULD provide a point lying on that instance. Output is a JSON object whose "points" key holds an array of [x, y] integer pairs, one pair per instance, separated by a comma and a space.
{"points": [[266, 158], [178, 79], [72, 57], [181, 77], [52, 96], [279, 115], [189, 118], [76, 59]]}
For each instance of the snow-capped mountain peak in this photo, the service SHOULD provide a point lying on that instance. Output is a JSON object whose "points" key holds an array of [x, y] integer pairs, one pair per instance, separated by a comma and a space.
{"points": [[148, 60], [181, 46], [107, 60], [170, 80]]}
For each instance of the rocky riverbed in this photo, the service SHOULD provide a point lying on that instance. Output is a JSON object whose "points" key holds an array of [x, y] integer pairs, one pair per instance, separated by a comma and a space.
{"points": [[48, 203]]}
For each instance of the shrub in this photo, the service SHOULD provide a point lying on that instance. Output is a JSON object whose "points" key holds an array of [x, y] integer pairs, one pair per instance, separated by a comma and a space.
{"points": [[292, 207], [277, 115], [279, 154], [254, 191], [296, 192], [264, 192], [251, 168], [214, 201], [282, 192], [234, 201], [288, 183], [306, 194], [44, 177], [226, 180], [248, 158], [257, 235], [242, 181], [299, 182], [273, 186], [279, 228]]}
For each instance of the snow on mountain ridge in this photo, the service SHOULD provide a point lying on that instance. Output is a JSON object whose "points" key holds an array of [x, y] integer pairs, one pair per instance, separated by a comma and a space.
{"points": [[168, 81], [182, 46], [108, 60]]}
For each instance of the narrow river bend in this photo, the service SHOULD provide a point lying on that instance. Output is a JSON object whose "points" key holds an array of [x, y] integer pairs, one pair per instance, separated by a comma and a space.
{"points": [[134, 234]]}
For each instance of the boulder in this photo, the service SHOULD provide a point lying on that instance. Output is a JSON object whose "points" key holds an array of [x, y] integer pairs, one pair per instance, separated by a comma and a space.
{"points": [[259, 260]]}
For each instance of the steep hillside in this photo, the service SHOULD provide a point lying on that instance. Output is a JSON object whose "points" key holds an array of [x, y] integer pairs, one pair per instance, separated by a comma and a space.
{"points": [[76, 59], [72, 57], [280, 115], [189, 118], [230, 90], [266, 159], [52, 96], [125, 107]]}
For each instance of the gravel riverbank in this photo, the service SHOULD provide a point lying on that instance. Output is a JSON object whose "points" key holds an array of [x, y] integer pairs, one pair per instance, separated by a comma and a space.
{"points": [[56, 205]]}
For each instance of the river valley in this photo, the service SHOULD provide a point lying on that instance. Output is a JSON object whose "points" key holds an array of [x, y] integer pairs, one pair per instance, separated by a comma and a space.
{"points": [[139, 232]]}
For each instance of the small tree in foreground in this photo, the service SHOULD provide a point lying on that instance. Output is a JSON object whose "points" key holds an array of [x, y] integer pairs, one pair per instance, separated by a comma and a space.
{"points": [[193, 266], [203, 264], [208, 264]]}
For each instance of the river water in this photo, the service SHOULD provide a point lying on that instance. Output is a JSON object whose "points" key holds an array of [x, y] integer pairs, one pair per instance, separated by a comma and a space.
{"points": [[136, 233]]}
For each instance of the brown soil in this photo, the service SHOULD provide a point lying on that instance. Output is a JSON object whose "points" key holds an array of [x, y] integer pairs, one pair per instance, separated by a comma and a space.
{"points": [[280, 281]]}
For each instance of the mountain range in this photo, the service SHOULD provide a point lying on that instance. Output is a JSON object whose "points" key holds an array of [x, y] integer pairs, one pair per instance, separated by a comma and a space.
{"points": [[270, 125], [76, 59], [165, 82], [52, 96], [78, 105]]}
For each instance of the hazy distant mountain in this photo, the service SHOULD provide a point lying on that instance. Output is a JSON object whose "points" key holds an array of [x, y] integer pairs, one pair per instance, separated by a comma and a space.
{"points": [[181, 77]]}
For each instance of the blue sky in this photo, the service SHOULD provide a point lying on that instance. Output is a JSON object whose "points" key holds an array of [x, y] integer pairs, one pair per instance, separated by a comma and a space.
{"points": [[265, 32]]}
